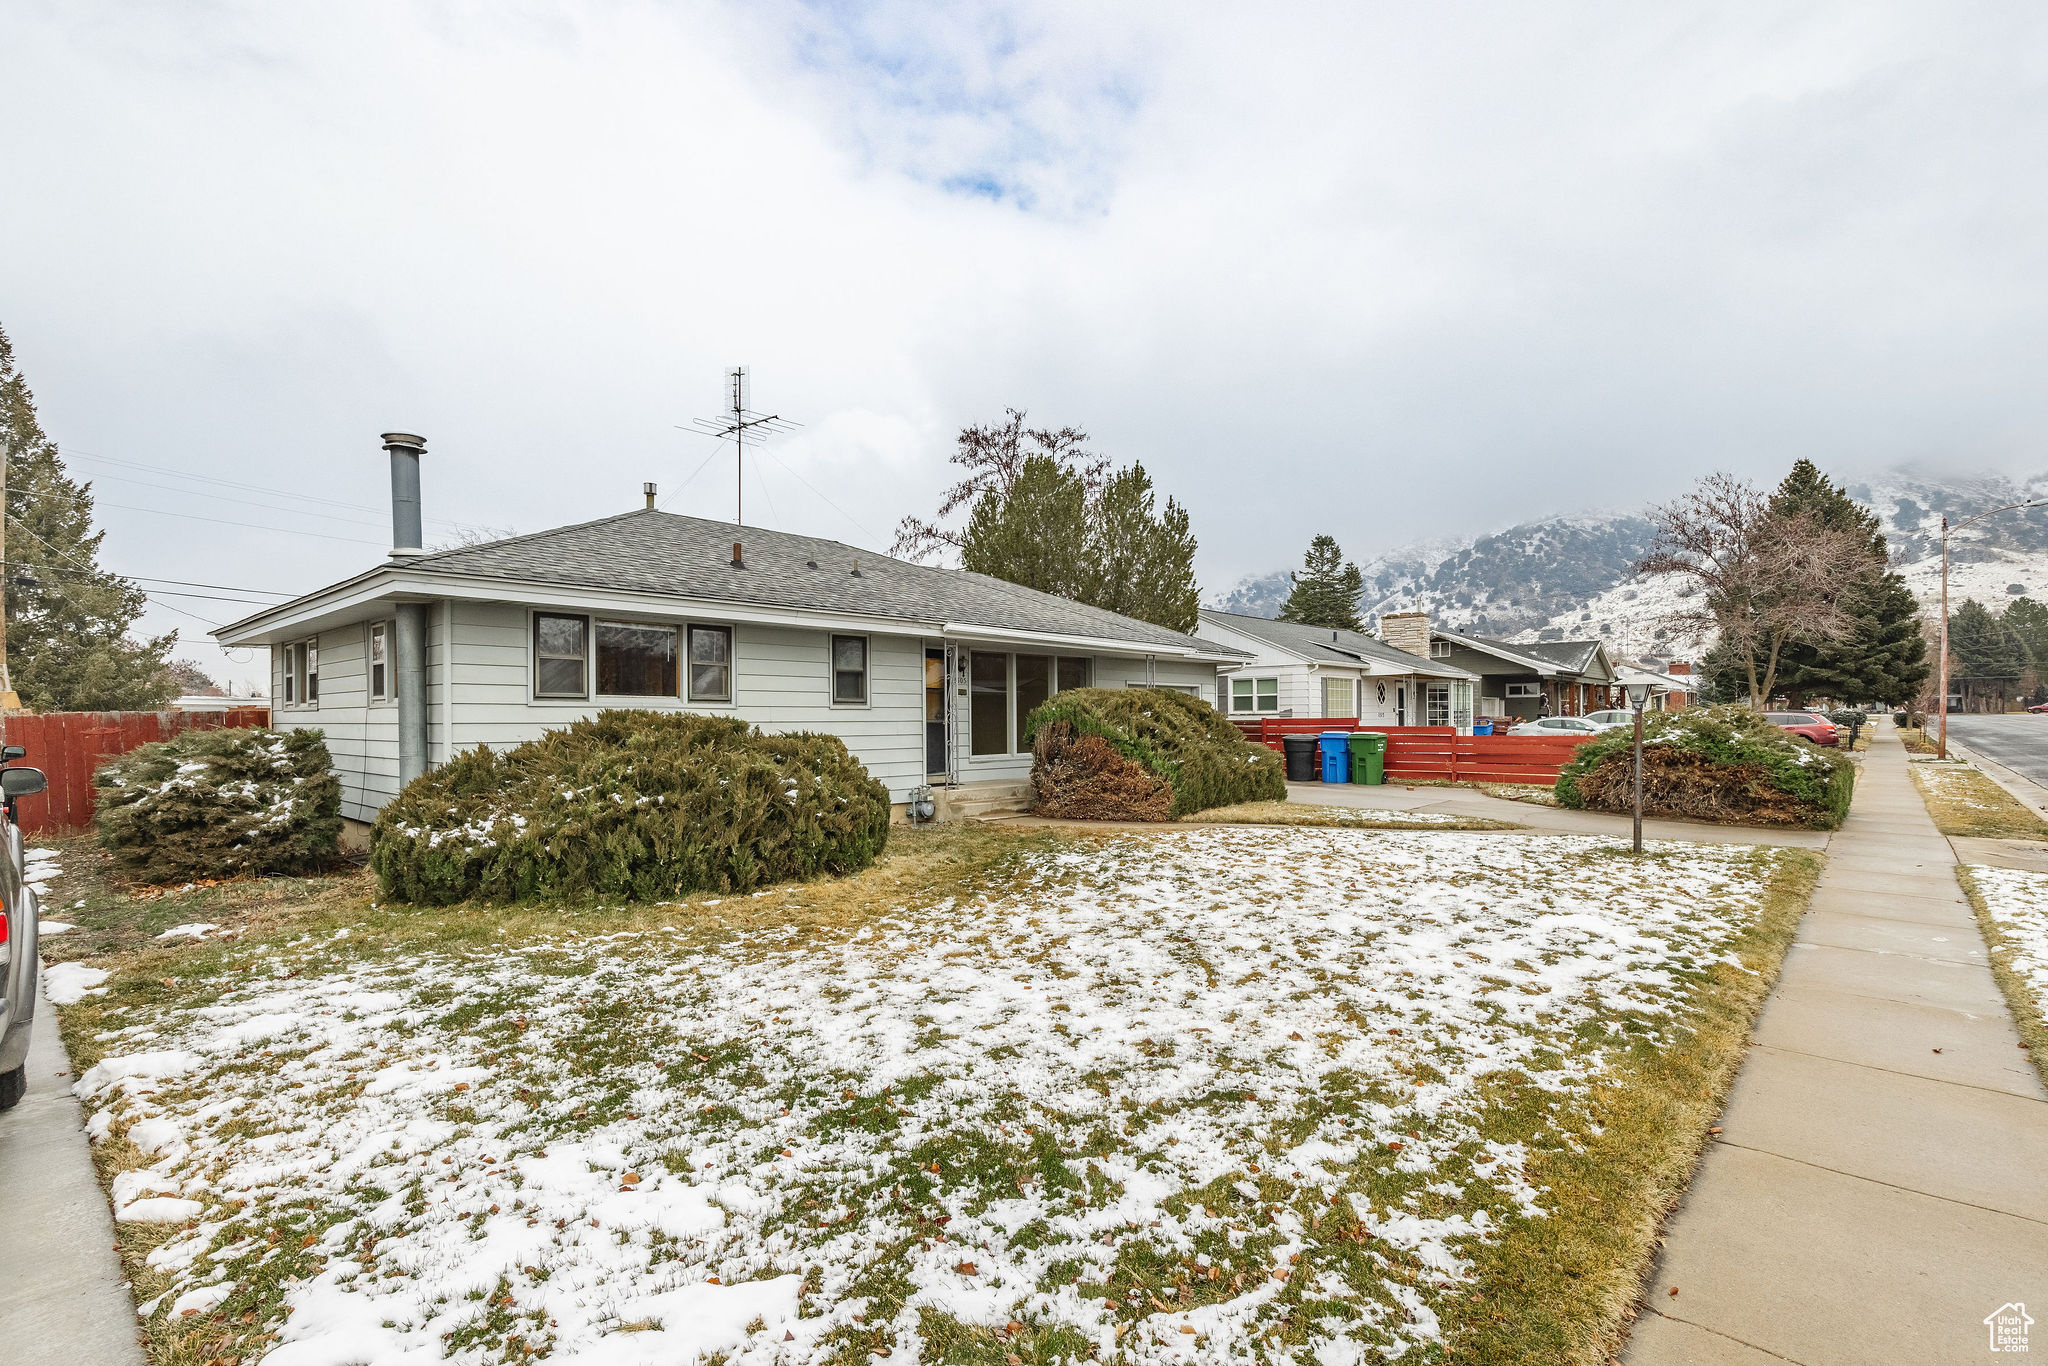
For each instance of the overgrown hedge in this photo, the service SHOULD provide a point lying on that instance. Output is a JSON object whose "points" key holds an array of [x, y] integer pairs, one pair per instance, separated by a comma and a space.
{"points": [[636, 805], [1723, 764], [219, 803], [1169, 736]]}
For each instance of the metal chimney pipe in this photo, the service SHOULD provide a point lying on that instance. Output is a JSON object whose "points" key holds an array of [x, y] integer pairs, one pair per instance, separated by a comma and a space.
{"points": [[406, 536], [648, 489]]}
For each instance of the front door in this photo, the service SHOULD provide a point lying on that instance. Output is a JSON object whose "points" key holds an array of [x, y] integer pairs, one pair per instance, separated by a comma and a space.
{"points": [[1401, 704], [934, 711]]}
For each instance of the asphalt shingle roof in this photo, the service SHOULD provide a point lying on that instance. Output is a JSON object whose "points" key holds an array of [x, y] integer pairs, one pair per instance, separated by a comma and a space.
{"points": [[1573, 655], [649, 551], [1347, 647]]}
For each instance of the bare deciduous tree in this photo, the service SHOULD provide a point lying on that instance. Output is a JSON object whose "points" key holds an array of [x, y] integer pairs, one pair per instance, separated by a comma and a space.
{"points": [[1757, 576], [993, 455]]}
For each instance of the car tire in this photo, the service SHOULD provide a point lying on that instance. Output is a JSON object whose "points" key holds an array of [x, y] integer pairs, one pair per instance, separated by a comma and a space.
{"points": [[13, 1086]]}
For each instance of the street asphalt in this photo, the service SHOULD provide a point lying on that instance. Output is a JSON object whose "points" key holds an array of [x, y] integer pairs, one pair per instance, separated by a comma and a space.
{"points": [[2018, 742]]}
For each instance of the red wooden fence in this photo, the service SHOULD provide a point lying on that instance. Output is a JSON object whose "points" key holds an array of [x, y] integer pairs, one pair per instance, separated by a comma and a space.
{"points": [[68, 745], [1437, 751]]}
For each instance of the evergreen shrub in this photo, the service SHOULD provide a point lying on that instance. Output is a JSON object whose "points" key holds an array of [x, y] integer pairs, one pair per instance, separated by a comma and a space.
{"points": [[1179, 740], [220, 803], [635, 805], [1723, 764]]}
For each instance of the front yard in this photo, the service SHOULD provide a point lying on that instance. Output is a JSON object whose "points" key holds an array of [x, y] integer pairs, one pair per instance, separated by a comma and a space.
{"points": [[1221, 1094]]}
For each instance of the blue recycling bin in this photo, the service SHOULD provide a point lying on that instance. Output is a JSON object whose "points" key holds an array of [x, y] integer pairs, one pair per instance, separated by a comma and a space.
{"points": [[1336, 756], [1482, 727]]}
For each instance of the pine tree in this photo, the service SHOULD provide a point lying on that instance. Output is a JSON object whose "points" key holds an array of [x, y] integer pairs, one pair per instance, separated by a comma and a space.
{"points": [[1327, 591], [1883, 657], [1142, 562], [1035, 533], [1983, 646], [1063, 526], [2029, 621], [67, 618]]}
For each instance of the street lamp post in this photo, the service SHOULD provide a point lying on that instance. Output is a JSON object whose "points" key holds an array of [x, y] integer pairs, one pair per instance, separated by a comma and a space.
{"points": [[1941, 700], [1638, 694]]}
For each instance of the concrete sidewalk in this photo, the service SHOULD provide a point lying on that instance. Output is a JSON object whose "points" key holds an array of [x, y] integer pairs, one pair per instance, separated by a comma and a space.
{"points": [[63, 1300], [1880, 1183]]}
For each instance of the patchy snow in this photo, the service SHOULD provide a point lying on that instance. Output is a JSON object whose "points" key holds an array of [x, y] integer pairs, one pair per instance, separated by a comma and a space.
{"points": [[46, 928], [2018, 904], [1182, 1054], [39, 866], [66, 984], [195, 930]]}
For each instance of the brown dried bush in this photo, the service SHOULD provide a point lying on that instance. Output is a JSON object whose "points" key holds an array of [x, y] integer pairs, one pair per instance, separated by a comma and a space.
{"points": [[1083, 778], [1682, 785]]}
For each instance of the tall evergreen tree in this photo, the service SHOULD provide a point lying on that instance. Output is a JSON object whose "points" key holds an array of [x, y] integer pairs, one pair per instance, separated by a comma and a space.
{"points": [[1142, 562], [1327, 590], [1983, 646], [2029, 621], [68, 620], [1063, 528], [1883, 656]]}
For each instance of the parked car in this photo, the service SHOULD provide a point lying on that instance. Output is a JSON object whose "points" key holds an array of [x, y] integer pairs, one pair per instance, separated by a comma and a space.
{"points": [[1610, 719], [2039, 706], [1809, 726], [18, 911], [1559, 725]]}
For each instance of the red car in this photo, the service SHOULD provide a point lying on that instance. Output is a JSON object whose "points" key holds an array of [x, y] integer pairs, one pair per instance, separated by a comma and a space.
{"points": [[2039, 706], [1809, 726]]}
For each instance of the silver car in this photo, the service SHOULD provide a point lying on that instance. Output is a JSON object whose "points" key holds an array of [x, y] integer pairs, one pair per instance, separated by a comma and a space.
{"points": [[1559, 725], [18, 911]]}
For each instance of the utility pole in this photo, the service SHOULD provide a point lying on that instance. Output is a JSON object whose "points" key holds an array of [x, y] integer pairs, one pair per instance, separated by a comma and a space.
{"points": [[736, 422]]}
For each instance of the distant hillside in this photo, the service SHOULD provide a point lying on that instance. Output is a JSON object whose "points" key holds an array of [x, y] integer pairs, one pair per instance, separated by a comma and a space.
{"points": [[1567, 577]]}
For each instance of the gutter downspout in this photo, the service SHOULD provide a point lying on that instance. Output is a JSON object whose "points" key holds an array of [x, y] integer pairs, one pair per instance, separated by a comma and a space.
{"points": [[409, 644]]}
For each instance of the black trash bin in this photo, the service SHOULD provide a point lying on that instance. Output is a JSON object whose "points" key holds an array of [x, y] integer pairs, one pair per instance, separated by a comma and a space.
{"points": [[1301, 758]]}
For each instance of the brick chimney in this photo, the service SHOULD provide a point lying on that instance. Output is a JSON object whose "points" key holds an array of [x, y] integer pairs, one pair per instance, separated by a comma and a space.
{"points": [[1406, 631]]}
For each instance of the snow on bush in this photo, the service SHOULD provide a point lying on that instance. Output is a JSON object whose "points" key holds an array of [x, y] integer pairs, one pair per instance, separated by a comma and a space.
{"points": [[1712, 764], [219, 803], [1104, 754], [629, 803], [1152, 1100]]}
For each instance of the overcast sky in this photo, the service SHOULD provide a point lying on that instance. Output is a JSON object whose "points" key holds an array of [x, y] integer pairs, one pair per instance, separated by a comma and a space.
{"points": [[1389, 271]]}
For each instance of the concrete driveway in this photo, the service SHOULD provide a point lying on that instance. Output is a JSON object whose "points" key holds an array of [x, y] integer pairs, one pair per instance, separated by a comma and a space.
{"points": [[1465, 801], [63, 1300]]}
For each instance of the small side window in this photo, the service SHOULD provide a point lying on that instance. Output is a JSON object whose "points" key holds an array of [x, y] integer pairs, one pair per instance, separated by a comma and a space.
{"points": [[380, 663], [312, 673], [1269, 694], [711, 664], [850, 669], [561, 655]]}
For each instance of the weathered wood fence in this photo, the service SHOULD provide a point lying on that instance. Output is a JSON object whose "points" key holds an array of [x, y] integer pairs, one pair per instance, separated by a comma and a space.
{"points": [[68, 745]]}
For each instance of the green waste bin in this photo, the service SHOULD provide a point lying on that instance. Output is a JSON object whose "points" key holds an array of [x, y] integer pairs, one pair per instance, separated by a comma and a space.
{"points": [[1368, 757]]}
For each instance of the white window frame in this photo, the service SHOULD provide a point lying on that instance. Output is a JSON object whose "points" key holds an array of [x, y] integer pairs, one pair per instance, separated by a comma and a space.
{"points": [[1432, 709], [689, 679], [1261, 690], [533, 656], [1514, 691], [1331, 685], [378, 638], [832, 670], [302, 674], [1439, 649]]}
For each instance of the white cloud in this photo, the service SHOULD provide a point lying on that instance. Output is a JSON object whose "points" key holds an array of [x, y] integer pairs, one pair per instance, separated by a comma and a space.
{"points": [[1388, 272]]}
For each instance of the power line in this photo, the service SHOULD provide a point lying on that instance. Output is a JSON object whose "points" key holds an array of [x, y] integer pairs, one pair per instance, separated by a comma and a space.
{"points": [[814, 489], [223, 498], [168, 607], [253, 526], [145, 578], [237, 484]]}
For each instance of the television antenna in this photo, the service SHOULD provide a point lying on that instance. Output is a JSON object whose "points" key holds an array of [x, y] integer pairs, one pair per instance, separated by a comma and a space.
{"points": [[737, 422]]}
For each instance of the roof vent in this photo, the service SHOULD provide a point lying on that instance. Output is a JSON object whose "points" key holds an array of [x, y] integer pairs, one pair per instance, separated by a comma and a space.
{"points": [[648, 489], [738, 562], [810, 564], [856, 569]]}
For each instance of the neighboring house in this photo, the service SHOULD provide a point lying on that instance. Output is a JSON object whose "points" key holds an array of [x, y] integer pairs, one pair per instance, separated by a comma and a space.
{"points": [[1298, 670], [1670, 687], [1523, 680], [927, 674]]}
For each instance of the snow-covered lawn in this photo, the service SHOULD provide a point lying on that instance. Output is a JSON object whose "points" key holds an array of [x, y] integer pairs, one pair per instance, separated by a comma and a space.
{"points": [[1359, 817], [1229, 1095], [2016, 905]]}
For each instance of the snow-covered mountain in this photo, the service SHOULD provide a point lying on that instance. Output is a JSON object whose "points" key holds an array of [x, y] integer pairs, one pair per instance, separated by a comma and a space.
{"points": [[1568, 577]]}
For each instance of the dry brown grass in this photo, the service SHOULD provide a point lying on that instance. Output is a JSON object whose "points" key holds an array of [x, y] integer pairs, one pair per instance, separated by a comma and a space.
{"points": [[1915, 740], [1966, 802], [2026, 1010]]}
